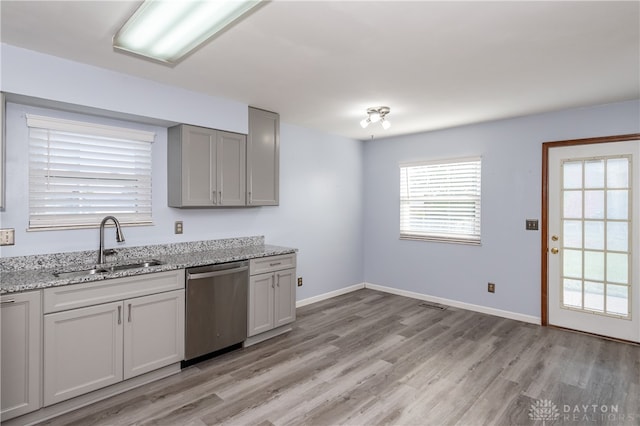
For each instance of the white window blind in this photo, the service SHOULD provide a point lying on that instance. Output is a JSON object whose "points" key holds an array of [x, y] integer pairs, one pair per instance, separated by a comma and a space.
{"points": [[80, 172], [440, 201]]}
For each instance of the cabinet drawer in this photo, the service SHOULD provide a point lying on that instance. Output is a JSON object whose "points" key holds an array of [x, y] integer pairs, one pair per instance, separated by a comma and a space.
{"points": [[81, 295], [272, 263]]}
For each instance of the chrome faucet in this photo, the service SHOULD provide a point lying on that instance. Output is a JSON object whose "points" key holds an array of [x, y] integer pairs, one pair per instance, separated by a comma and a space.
{"points": [[119, 236]]}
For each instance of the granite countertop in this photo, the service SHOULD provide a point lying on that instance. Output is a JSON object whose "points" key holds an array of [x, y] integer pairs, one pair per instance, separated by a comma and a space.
{"points": [[37, 272]]}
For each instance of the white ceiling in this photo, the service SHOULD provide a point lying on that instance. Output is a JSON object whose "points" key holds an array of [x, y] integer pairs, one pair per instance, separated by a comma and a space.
{"points": [[322, 64]]}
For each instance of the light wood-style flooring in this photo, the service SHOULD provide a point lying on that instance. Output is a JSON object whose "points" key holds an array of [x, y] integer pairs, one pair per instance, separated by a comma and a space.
{"points": [[369, 358]]}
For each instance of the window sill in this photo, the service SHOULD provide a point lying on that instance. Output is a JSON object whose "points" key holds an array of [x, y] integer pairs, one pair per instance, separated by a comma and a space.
{"points": [[435, 239]]}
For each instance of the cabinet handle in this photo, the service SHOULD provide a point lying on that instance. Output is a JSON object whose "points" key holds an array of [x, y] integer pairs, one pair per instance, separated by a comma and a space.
{"points": [[7, 301], [278, 279], [215, 197], [249, 197], [220, 196], [216, 273], [129, 319], [275, 264], [119, 314], [273, 284]]}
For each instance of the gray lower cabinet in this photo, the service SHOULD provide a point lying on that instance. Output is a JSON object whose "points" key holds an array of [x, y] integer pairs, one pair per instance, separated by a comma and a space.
{"points": [[272, 293], [263, 158], [153, 332], [90, 347], [285, 297], [261, 303], [2, 149], [206, 167], [82, 351], [21, 353]]}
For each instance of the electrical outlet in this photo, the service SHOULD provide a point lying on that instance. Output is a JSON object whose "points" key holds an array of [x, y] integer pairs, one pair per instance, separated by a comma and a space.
{"points": [[491, 287], [178, 227], [299, 281], [7, 237]]}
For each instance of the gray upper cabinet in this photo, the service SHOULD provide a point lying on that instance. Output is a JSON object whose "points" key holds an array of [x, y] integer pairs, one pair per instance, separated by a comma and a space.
{"points": [[206, 167], [191, 166], [232, 184], [263, 158]]}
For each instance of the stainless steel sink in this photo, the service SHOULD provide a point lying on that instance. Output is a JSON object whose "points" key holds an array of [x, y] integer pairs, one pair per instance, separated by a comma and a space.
{"points": [[143, 264], [71, 274], [108, 269]]}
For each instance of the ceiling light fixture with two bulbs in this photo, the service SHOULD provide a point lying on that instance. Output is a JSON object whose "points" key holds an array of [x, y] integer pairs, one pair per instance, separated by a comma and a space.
{"points": [[375, 114]]}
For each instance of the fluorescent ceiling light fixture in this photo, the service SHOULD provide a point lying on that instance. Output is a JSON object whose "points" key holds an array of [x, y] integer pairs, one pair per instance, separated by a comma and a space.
{"points": [[168, 30]]}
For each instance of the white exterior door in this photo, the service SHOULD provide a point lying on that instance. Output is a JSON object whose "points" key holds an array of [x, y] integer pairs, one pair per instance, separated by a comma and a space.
{"points": [[593, 242]]}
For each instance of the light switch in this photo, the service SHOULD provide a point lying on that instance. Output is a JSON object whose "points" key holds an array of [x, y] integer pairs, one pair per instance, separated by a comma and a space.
{"points": [[532, 224]]}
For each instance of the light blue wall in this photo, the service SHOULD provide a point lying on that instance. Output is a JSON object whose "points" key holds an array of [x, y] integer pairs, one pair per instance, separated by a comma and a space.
{"points": [[29, 73], [511, 153], [320, 208], [339, 197]]}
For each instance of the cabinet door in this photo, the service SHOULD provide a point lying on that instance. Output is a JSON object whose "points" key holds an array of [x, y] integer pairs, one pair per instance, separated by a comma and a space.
{"points": [[199, 157], [2, 149], [285, 297], [231, 169], [82, 351], [261, 299], [21, 351], [263, 158], [153, 332]]}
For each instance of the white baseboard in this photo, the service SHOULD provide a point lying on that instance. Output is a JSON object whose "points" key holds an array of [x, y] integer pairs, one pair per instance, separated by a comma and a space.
{"points": [[329, 295], [449, 302], [468, 306]]}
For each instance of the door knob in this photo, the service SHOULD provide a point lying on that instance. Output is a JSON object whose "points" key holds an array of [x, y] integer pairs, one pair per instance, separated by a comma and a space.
{"points": [[554, 250], [554, 238]]}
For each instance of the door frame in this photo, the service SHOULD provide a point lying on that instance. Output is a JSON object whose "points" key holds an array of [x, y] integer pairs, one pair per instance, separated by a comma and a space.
{"points": [[544, 235]]}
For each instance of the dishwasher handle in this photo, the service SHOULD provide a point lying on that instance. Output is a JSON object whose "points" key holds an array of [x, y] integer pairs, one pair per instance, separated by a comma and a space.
{"points": [[202, 275]]}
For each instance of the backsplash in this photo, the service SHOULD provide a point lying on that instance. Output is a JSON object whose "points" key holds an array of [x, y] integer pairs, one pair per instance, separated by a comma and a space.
{"points": [[89, 257]]}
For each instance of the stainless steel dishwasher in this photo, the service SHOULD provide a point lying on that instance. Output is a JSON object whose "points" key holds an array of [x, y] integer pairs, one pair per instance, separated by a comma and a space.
{"points": [[216, 308]]}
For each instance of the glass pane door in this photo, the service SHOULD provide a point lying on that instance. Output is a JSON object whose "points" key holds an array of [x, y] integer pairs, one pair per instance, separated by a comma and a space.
{"points": [[596, 235]]}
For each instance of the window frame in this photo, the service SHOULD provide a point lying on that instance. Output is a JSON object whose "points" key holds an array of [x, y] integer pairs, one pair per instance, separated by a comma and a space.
{"points": [[130, 180], [474, 195]]}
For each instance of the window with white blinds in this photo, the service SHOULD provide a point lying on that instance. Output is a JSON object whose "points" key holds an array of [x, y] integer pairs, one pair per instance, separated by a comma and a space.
{"points": [[440, 201], [80, 172]]}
